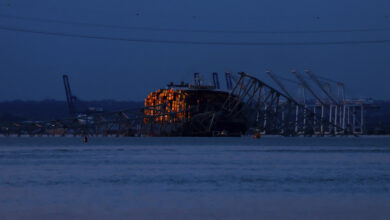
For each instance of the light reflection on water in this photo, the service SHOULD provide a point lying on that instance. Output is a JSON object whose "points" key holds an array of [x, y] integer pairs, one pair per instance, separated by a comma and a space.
{"points": [[109, 170]]}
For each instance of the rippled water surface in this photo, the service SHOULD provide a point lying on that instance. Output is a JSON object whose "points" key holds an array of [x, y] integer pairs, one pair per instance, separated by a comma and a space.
{"points": [[181, 178]]}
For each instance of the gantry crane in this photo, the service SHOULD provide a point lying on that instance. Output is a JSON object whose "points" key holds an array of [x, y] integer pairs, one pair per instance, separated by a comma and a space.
{"points": [[70, 99], [228, 77], [216, 80], [322, 102]]}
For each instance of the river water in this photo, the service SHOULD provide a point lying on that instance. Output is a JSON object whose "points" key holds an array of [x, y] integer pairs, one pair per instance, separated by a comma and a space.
{"points": [[195, 178]]}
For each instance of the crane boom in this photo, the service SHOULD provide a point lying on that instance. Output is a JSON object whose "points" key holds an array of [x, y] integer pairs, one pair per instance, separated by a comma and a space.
{"points": [[228, 77], [317, 81], [216, 80], [69, 97], [280, 84], [306, 85]]}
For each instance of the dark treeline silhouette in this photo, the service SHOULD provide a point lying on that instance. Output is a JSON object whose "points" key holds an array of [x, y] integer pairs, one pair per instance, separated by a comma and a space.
{"points": [[53, 109], [378, 120]]}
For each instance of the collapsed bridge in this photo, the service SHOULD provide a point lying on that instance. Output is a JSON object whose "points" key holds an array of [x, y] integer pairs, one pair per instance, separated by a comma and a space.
{"points": [[249, 106]]}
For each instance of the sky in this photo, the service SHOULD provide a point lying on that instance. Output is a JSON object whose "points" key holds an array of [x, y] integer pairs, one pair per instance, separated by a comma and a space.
{"points": [[32, 64]]}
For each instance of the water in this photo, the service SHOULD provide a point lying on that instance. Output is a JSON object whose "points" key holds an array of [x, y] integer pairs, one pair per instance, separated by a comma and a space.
{"points": [[193, 178]]}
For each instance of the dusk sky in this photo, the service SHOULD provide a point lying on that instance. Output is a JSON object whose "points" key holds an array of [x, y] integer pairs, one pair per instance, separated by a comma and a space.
{"points": [[32, 64]]}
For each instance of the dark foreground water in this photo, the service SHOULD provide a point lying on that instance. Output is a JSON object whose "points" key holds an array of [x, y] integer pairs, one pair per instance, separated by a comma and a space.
{"points": [[195, 178]]}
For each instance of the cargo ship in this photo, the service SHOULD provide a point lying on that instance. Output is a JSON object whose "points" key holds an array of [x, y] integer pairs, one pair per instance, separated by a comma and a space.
{"points": [[190, 110]]}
